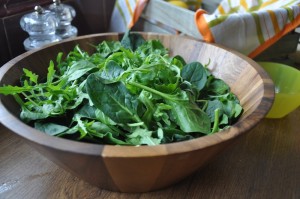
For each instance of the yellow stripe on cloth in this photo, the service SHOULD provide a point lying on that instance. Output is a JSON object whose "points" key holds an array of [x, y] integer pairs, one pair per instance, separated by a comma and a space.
{"points": [[221, 10], [267, 3], [129, 7], [244, 4], [274, 21]]}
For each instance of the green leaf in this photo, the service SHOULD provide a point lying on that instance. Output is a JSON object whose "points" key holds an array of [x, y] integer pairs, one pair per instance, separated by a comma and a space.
{"points": [[195, 74], [113, 100], [152, 49], [51, 72], [11, 90], [82, 127], [87, 111], [109, 138], [142, 137], [104, 118], [111, 72], [108, 47], [189, 117], [59, 57], [132, 40], [178, 61], [145, 98], [212, 106], [78, 69], [238, 109], [50, 128], [162, 113], [27, 115], [32, 76], [218, 87]]}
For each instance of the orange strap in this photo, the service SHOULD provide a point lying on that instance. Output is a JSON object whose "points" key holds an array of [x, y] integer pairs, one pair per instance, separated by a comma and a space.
{"points": [[140, 5], [203, 27], [294, 24]]}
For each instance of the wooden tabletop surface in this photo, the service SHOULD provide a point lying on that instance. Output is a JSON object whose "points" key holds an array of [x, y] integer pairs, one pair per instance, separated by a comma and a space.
{"points": [[263, 164]]}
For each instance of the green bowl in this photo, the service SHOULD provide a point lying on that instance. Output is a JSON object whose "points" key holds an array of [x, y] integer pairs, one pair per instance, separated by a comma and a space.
{"points": [[287, 88]]}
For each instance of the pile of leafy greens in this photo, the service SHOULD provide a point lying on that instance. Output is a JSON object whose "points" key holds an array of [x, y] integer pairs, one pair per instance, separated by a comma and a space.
{"points": [[128, 92]]}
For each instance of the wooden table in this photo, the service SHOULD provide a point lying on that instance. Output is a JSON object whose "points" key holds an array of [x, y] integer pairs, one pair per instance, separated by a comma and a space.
{"points": [[263, 164]]}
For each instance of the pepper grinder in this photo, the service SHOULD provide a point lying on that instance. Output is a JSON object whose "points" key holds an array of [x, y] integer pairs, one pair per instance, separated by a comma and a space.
{"points": [[41, 26], [65, 14]]}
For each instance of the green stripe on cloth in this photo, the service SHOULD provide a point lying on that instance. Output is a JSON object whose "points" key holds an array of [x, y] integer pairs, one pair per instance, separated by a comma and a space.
{"points": [[289, 3], [255, 8], [217, 21], [234, 10], [290, 13], [258, 28], [229, 3], [121, 13]]}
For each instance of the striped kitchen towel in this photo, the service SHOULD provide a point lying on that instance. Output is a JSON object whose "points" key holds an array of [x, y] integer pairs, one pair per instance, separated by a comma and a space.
{"points": [[125, 14], [249, 26]]}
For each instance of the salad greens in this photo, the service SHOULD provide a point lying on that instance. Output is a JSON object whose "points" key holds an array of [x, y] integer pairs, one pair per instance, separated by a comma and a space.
{"points": [[129, 92]]}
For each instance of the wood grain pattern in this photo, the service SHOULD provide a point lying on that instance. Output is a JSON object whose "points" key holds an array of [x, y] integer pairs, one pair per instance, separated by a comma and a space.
{"points": [[141, 169]]}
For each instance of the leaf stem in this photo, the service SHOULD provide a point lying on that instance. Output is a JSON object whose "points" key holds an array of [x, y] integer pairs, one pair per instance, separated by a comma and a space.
{"points": [[146, 88], [29, 98], [216, 123]]}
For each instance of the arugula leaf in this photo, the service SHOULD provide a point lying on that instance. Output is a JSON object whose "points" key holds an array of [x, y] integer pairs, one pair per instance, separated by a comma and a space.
{"points": [[151, 48], [51, 73], [11, 90], [32, 77], [143, 136]]}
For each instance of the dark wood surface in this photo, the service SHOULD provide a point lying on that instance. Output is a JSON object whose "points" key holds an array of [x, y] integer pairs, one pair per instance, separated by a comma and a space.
{"points": [[263, 164]]}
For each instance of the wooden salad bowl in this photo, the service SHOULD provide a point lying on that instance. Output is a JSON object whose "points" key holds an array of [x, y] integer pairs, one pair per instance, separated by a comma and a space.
{"points": [[142, 168]]}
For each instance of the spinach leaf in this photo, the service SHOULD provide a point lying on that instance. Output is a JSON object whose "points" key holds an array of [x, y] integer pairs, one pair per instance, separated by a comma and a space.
{"points": [[195, 74], [178, 61], [113, 99], [217, 87], [189, 117], [106, 48], [78, 69], [111, 72], [50, 128], [132, 40], [211, 107]]}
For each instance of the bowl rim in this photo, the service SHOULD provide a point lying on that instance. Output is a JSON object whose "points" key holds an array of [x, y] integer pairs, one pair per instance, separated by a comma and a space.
{"points": [[31, 134]]}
